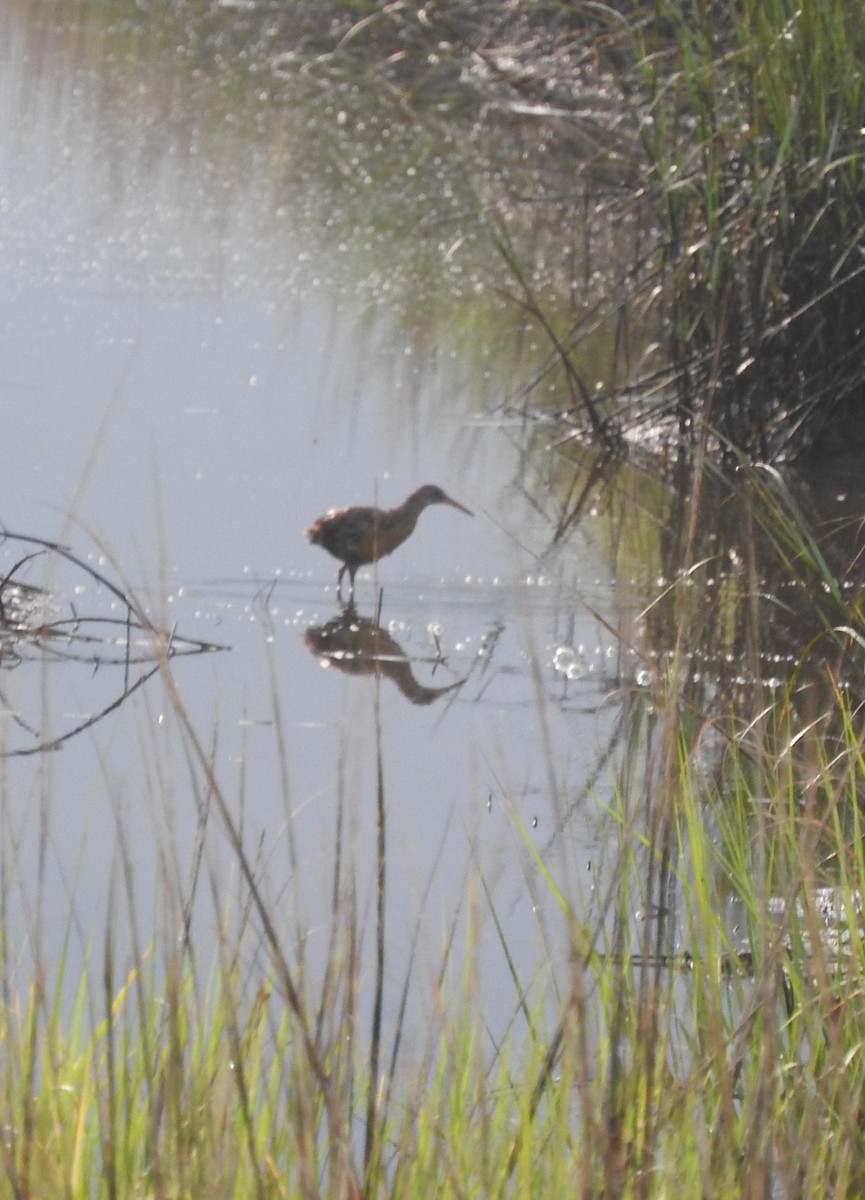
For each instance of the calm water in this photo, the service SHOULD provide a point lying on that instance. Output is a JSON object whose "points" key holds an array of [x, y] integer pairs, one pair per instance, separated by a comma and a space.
{"points": [[212, 331]]}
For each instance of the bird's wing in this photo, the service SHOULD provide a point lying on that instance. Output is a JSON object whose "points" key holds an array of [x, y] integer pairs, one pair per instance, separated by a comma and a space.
{"points": [[358, 532]]}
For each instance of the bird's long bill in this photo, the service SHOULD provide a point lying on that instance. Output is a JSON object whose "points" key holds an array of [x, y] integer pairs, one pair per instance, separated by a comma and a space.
{"points": [[456, 504]]}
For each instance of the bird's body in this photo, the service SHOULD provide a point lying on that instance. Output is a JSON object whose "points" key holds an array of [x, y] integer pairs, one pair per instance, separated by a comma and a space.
{"points": [[364, 534]]}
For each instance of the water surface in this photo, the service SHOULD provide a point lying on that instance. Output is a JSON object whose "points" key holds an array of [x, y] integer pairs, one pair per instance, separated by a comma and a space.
{"points": [[203, 349]]}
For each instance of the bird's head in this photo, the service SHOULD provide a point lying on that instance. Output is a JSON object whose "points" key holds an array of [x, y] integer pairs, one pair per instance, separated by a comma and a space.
{"points": [[431, 494]]}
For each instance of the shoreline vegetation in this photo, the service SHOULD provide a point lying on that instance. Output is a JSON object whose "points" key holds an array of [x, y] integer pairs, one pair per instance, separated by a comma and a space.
{"points": [[662, 1055], [733, 133]]}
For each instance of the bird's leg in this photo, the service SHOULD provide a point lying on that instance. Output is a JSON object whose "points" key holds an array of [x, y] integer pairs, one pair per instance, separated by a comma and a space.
{"points": [[342, 571]]}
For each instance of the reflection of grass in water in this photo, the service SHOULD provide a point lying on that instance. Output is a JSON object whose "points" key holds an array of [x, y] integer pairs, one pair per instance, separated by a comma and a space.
{"points": [[322, 124], [671, 1054]]}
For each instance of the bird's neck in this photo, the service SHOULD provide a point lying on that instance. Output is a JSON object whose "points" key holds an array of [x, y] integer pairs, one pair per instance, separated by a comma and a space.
{"points": [[411, 507], [403, 517]]}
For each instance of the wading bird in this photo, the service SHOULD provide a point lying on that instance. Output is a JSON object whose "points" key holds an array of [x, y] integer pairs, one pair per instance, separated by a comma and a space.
{"points": [[361, 535]]}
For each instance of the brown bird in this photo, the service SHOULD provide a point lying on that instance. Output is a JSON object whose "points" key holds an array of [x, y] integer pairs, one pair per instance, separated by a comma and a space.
{"points": [[363, 534]]}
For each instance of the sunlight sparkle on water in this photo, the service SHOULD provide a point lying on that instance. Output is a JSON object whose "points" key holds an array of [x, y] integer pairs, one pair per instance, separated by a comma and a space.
{"points": [[570, 663]]}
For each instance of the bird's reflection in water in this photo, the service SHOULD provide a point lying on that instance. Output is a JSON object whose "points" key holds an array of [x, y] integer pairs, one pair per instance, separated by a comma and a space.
{"points": [[359, 646]]}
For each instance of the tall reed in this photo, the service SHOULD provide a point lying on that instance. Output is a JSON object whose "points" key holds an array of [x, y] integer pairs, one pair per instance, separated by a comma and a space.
{"points": [[754, 142]]}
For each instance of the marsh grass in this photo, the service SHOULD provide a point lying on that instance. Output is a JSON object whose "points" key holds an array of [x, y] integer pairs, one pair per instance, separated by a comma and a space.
{"points": [[753, 139], [730, 137]]}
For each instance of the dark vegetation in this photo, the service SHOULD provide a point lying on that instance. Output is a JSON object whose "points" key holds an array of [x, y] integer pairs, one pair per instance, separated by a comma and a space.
{"points": [[733, 130]]}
